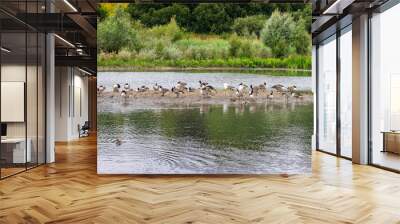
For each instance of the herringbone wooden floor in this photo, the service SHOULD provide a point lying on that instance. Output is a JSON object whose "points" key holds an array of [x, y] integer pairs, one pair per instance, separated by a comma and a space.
{"points": [[70, 191]]}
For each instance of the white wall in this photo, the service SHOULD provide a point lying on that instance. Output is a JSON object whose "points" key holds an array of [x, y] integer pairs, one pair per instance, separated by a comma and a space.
{"points": [[71, 102]]}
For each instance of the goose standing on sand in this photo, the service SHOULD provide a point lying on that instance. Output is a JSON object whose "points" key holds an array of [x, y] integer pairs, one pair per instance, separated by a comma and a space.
{"points": [[241, 87], [271, 95], [203, 83], [101, 89], [279, 87], [156, 87], [238, 93], [251, 91], [162, 90], [181, 85], [177, 91], [291, 89], [262, 87], [124, 93], [116, 88], [127, 87]]}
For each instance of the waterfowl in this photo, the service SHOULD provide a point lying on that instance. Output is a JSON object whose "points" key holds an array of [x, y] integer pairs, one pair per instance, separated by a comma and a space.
{"points": [[271, 95], [291, 88], [251, 92], [228, 87], [156, 87], [101, 89], [262, 87], [242, 87], [127, 87], [123, 93], [181, 84], [142, 89], [176, 91], [203, 83], [162, 90], [116, 87], [238, 93]]}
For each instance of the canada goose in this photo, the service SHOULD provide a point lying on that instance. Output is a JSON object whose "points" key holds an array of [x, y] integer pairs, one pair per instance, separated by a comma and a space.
{"points": [[238, 93], [203, 83], [116, 88], [162, 90], [291, 88], [271, 95], [251, 92], [181, 84], [101, 89], [176, 91], [127, 87], [142, 89], [156, 87], [241, 87], [123, 93], [262, 87], [279, 87]]}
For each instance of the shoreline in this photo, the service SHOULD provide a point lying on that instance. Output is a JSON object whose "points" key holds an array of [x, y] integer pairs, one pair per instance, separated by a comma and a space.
{"points": [[194, 98], [200, 69]]}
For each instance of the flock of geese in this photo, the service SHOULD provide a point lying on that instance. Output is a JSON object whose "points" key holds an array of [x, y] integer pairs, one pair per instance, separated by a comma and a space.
{"points": [[205, 89]]}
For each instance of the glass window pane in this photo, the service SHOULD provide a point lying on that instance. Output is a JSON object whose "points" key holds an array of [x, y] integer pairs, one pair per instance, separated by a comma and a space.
{"points": [[327, 96], [385, 84], [13, 86], [346, 93]]}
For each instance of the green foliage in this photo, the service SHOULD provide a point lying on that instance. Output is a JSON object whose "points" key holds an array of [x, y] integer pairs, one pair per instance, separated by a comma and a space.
{"points": [[116, 32], [189, 15], [102, 12], [250, 25], [204, 49], [247, 47], [295, 62], [278, 33], [211, 18]]}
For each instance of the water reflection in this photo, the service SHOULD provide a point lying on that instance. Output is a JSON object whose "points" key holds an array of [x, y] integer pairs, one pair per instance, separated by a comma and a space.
{"points": [[207, 138]]}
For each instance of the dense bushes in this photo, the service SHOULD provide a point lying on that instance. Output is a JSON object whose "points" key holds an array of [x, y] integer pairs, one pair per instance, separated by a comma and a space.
{"points": [[213, 18], [250, 25], [233, 37], [116, 32], [285, 36]]}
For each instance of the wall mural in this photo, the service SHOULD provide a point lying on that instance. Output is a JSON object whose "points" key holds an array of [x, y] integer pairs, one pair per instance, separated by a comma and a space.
{"points": [[204, 89]]}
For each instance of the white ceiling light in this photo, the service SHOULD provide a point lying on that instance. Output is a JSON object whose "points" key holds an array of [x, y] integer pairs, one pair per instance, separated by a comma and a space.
{"points": [[70, 5], [65, 41], [5, 50]]}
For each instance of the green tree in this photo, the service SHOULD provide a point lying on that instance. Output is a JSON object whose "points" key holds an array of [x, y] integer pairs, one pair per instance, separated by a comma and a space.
{"points": [[278, 33], [250, 25], [116, 32], [211, 18]]}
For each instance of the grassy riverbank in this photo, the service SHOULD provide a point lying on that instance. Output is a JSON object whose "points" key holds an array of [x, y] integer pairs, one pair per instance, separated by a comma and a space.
{"points": [[114, 62], [241, 38]]}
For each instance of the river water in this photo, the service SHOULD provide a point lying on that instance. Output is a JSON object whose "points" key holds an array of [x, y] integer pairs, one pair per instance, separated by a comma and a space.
{"points": [[204, 138]]}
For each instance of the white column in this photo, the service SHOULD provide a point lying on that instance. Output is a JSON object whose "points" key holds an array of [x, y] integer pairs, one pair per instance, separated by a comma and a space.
{"points": [[50, 100], [360, 90]]}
